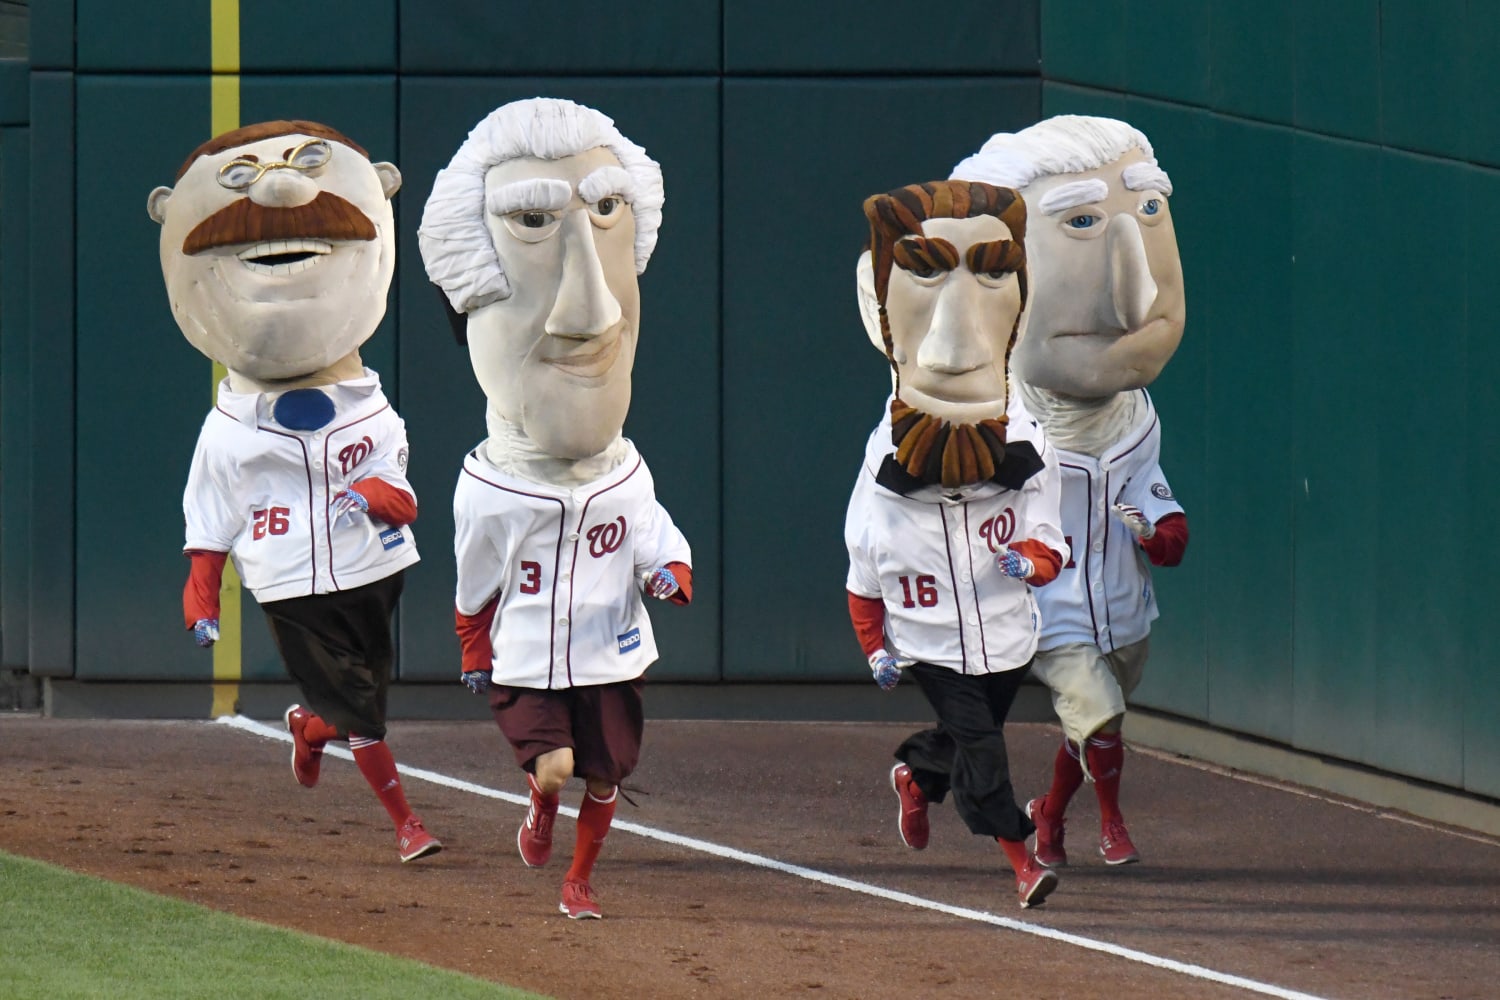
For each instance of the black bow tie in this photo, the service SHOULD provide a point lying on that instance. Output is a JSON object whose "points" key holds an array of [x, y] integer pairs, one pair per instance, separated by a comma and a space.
{"points": [[1020, 464]]}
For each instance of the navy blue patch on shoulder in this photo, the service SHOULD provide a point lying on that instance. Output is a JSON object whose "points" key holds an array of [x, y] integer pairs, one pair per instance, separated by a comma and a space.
{"points": [[1161, 491], [303, 409]]}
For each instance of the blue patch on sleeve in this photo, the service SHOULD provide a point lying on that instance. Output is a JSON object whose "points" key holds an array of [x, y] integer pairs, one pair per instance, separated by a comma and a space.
{"points": [[392, 537], [629, 640], [303, 410]]}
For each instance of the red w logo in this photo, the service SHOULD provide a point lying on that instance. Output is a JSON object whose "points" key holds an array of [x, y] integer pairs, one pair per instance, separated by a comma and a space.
{"points": [[607, 537], [351, 455], [998, 530]]}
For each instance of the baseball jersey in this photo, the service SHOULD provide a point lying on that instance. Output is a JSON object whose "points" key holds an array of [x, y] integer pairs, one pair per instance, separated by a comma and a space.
{"points": [[261, 491], [929, 556], [564, 565], [1103, 595]]}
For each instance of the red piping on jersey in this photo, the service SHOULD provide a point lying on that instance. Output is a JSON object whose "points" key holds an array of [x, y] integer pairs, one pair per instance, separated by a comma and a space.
{"points": [[1088, 532], [984, 650], [963, 651], [1144, 434], [556, 558], [582, 515], [312, 532], [328, 487]]}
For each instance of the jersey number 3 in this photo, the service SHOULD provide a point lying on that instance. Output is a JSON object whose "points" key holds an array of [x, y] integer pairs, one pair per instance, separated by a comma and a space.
{"points": [[926, 592]]}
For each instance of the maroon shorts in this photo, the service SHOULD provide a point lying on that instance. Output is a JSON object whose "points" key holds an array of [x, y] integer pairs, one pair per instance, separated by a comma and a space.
{"points": [[602, 724]]}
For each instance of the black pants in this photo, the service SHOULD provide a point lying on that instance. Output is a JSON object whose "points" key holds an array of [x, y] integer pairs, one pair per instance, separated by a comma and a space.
{"points": [[338, 649], [965, 752]]}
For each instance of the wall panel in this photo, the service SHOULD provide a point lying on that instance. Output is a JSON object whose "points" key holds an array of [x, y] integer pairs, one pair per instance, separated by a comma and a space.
{"points": [[878, 37], [519, 38], [15, 398]]}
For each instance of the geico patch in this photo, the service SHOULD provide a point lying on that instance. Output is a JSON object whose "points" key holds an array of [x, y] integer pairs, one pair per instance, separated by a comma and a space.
{"points": [[392, 537], [629, 640]]}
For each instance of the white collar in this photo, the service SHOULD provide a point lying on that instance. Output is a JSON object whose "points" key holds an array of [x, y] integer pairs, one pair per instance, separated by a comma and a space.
{"points": [[246, 407]]}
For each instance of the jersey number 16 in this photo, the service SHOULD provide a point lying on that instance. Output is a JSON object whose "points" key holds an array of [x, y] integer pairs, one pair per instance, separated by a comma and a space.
{"points": [[926, 591]]}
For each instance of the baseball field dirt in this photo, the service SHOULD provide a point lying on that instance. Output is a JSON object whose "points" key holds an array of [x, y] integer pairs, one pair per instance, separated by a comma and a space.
{"points": [[1246, 888]]}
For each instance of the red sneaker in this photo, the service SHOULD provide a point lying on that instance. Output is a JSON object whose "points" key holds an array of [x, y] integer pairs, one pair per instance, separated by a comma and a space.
{"points": [[413, 840], [1049, 835], [1034, 883], [578, 901], [912, 820], [307, 759], [1115, 845], [534, 838]]}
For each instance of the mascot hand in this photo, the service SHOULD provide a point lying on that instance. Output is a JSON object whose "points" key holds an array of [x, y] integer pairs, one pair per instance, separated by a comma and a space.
{"points": [[477, 681], [348, 500], [885, 668], [661, 584], [206, 631], [1132, 518], [1012, 563]]}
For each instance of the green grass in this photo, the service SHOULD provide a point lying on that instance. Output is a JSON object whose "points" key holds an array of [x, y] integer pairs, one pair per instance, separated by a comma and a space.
{"points": [[65, 936]]}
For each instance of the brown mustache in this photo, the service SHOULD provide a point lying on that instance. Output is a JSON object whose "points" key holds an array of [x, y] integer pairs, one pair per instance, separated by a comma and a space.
{"points": [[326, 217]]}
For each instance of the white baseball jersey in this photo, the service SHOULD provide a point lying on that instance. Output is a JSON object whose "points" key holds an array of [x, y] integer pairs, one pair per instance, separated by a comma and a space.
{"points": [[261, 492], [1103, 595], [567, 566], [930, 557]]}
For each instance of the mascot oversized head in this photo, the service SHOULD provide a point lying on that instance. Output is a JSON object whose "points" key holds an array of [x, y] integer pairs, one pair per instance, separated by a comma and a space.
{"points": [[278, 246]]}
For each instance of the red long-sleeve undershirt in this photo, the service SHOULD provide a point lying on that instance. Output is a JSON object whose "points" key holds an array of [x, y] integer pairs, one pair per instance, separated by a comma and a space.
{"points": [[390, 504], [1165, 548], [476, 653]]}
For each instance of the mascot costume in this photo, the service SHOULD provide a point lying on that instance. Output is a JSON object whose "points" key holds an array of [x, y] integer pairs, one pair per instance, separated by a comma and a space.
{"points": [[954, 515], [1106, 316], [277, 245], [536, 232]]}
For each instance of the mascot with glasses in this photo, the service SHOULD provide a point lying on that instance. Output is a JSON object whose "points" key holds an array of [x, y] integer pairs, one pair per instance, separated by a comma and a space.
{"points": [[278, 246]]}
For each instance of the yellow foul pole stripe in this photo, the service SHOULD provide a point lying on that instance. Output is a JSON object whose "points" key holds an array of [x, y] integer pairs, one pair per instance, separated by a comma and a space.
{"points": [[224, 114]]}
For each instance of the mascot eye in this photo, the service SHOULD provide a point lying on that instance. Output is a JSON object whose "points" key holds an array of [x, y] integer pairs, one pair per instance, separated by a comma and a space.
{"points": [[607, 206], [536, 220], [1082, 222], [1151, 206], [310, 155]]}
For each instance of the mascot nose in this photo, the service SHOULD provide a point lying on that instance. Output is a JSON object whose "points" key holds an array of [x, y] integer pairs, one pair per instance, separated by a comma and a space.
{"points": [[1132, 289], [282, 188], [585, 307], [955, 341]]}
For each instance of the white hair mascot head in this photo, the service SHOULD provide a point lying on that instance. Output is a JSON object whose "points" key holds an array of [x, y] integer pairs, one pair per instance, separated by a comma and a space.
{"points": [[536, 232], [1108, 308]]}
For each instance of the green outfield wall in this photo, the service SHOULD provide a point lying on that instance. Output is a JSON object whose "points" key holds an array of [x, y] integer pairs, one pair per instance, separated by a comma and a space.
{"points": [[1324, 421]]}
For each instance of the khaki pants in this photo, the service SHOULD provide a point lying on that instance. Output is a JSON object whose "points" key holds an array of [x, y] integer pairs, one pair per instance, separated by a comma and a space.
{"points": [[1088, 685]]}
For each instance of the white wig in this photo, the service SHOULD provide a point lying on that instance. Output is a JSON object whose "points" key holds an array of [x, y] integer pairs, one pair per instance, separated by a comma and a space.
{"points": [[1063, 144], [456, 247]]}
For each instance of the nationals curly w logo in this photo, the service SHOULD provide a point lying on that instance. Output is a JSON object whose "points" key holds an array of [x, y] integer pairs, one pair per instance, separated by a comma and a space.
{"points": [[996, 531], [607, 537], [351, 455]]}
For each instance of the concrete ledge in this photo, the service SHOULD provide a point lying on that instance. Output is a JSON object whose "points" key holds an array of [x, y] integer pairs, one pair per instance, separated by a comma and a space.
{"points": [[1379, 789]]}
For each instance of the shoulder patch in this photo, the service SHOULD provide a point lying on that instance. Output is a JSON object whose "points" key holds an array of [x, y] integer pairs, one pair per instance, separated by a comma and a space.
{"points": [[1161, 491]]}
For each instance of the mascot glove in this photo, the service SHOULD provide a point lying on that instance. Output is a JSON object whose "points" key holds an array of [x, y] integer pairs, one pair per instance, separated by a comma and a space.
{"points": [[477, 681], [206, 631], [887, 671], [661, 584], [345, 501], [1139, 524], [1012, 563]]}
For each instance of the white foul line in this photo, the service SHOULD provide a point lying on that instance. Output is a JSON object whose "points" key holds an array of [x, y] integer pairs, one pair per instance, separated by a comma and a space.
{"points": [[823, 878]]}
